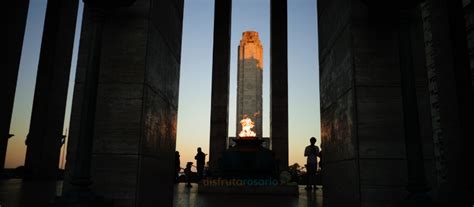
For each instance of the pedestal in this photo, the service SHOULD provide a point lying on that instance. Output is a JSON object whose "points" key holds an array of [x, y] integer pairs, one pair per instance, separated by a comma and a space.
{"points": [[248, 159], [249, 168]]}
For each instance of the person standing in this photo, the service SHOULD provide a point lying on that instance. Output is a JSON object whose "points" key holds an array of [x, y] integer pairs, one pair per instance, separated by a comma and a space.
{"points": [[177, 166], [200, 161], [311, 152], [189, 174]]}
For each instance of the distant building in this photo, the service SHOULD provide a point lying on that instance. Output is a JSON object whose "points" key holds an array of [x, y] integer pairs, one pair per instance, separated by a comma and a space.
{"points": [[249, 81]]}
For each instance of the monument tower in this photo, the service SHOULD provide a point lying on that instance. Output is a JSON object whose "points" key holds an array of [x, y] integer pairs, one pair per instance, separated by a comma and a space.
{"points": [[249, 81]]}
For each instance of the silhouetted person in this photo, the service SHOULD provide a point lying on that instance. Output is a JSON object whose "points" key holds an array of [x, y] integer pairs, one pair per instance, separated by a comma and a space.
{"points": [[188, 173], [200, 160], [311, 152], [177, 166]]}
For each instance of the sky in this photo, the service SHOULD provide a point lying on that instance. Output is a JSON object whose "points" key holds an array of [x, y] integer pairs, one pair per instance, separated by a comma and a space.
{"points": [[195, 77]]}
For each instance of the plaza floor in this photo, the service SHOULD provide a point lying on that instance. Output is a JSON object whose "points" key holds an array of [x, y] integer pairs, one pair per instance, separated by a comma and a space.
{"points": [[16, 193], [189, 197]]}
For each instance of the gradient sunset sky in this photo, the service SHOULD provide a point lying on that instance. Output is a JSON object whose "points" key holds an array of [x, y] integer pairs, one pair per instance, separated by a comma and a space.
{"points": [[196, 66]]}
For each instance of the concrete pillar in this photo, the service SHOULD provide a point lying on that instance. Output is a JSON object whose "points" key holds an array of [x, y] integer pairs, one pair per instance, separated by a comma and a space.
{"points": [[450, 85], [76, 191], [220, 81], [413, 144], [44, 139], [79, 161], [136, 57], [279, 81], [16, 30], [464, 181], [362, 123]]}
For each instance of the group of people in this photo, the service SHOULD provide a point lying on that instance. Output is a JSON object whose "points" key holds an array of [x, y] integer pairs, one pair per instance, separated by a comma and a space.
{"points": [[312, 152], [200, 162]]}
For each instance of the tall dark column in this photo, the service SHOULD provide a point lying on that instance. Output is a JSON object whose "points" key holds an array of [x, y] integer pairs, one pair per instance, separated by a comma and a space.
{"points": [[279, 80], [461, 182], [220, 81], [15, 32], [77, 191], [44, 139], [80, 174], [450, 84], [124, 110], [417, 186]]}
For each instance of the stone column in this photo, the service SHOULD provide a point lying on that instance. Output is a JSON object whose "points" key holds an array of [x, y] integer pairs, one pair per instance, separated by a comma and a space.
{"points": [[451, 89], [220, 81], [44, 139], [15, 32], [279, 81], [461, 175], [413, 141], [127, 135], [362, 123], [80, 174]]}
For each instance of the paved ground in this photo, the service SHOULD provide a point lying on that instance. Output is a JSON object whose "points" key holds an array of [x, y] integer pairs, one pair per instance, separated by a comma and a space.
{"points": [[189, 197], [15, 193]]}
